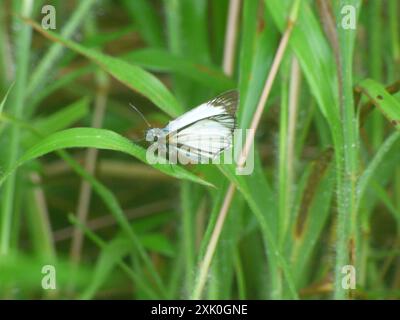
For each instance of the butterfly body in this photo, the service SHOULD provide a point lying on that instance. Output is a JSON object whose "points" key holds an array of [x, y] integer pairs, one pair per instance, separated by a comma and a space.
{"points": [[201, 133]]}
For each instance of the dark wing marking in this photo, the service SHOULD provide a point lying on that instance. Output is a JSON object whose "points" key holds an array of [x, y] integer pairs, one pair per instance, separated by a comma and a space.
{"points": [[228, 100]]}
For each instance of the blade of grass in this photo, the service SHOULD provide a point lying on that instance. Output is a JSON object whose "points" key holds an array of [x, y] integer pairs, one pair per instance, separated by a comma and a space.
{"points": [[95, 138], [348, 234], [205, 264], [393, 9], [104, 246], [82, 210], [131, 76], [106, 195], [39, 220], [57, 84], [147, 21], [43, 69], [378, 159], [59, 120], [386, 103], [162, 61], [3, 102], [230, 38], [288, 119], [22, 60], [375, 65]]}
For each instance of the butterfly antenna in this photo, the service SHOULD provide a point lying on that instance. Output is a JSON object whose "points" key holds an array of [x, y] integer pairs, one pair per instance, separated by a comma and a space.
{"points": [[141, 114], [138, 140]]}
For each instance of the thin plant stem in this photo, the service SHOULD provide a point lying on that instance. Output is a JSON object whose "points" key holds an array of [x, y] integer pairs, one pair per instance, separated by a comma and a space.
{"points": [[22, 59], [287, 146], [294, 91], [212, 245], [206, 262], [346, 162], [42, 71], [90, 165], [231, 37], [43, 215]]}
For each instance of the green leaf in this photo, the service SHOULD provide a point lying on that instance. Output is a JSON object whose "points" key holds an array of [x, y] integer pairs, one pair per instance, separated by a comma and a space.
{"points": [[3, 102], [146, 20], [378, 159], [255, 61], [317, 64], [194, 17], [70, 27], [386, 103], [110, 256], [62, 82], [21, 271], [112, 253], [162, 60], [100, 139], [132, 76], [59, 120], [157, 242]]}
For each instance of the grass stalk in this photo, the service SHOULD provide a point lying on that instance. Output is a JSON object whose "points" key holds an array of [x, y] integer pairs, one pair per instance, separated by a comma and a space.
{"points": [[394, 31], [212, 245], [231, 37], [6, 60], [90, 165], [347, 166], [23, 42], [206, 262], [138, 280], [287, 133], [43, 69], [188, 233], [375, 66], [40, 215]]}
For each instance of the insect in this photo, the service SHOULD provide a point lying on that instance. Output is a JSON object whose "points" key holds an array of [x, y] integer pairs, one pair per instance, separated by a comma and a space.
{"points": [[201, 133]]}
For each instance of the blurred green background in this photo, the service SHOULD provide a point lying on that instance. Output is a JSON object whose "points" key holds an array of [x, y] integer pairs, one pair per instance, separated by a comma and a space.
{"points": [[76, 192]]}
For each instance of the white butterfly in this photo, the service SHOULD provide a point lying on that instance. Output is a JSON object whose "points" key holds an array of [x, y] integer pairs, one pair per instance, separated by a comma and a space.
{"points": [[201, 133]]}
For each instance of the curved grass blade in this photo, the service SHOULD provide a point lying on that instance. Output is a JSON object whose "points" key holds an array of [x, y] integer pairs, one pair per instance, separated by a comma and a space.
{"points": [[132, 76], [100, 139], [3, 102], [378, 159], [109, 200], [162, 60], [59, 120], [386, 103]]}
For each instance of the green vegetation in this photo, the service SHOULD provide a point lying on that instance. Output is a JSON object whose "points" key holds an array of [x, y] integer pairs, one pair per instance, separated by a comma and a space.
{"points": [[76, 190]]}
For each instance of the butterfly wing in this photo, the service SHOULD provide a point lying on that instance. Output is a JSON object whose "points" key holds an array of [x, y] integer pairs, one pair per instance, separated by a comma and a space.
{"points": [[207, 130], [224, 104]]}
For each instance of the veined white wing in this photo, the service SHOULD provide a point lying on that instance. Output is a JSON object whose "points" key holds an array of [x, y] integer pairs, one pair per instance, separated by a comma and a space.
{"points": [[224, 104], [205, 131]]}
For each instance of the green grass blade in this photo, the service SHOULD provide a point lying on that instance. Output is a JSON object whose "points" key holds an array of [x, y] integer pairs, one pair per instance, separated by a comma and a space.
{"points": [[43, 69], [59, 120], [3, 102], [386, 103], [57, 84], [23, 43], [378, 159], [103, 263], [162, 61], [147, 21], [100, 139], [132, 76]]}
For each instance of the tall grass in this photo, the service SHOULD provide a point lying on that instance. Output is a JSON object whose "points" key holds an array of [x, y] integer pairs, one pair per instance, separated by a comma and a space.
{"points": [[325, 189]]}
